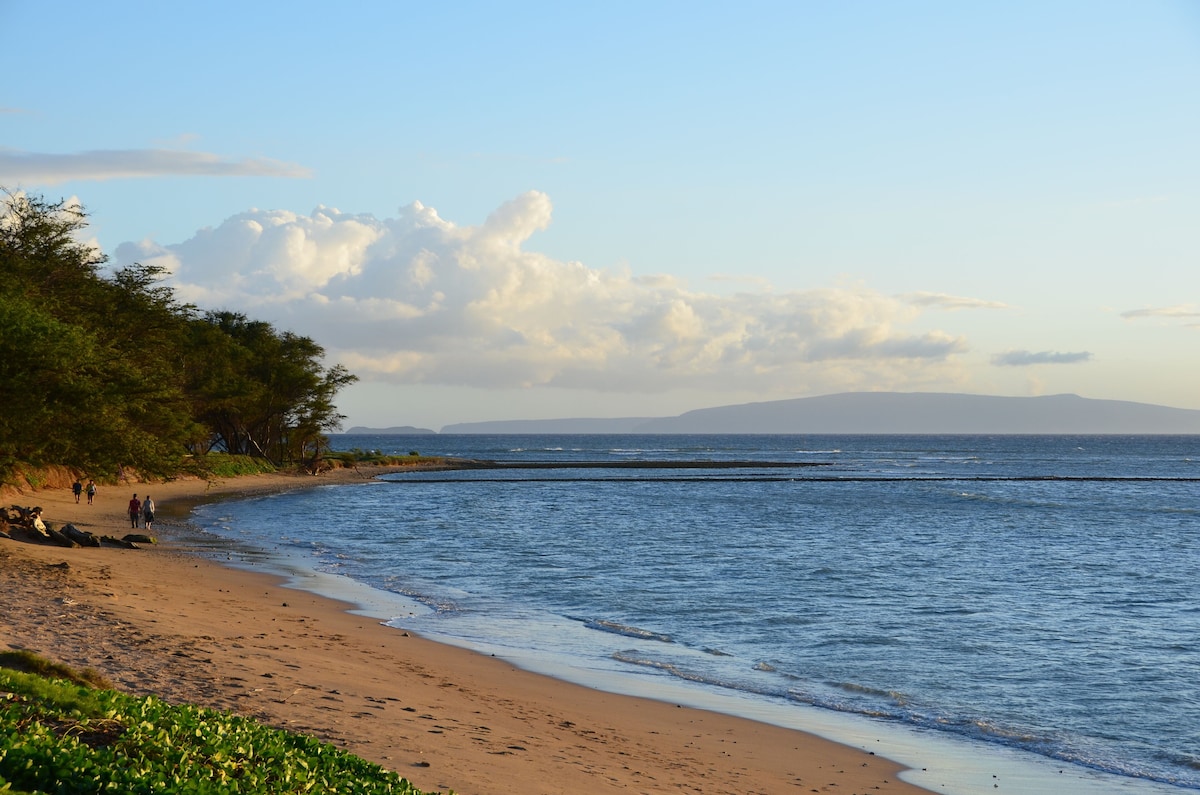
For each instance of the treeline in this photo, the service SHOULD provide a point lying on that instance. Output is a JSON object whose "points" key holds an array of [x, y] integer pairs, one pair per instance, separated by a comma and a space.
{"points": [[99, 372]]}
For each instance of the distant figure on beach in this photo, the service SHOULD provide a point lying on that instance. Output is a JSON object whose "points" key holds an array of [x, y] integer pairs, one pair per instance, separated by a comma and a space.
{"points": [[147, 511], [91, 491], [77, 489], [135, 510]]}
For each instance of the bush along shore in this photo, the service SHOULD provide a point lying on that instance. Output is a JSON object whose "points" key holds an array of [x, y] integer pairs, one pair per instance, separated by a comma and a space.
{"points": [[67, 731]]}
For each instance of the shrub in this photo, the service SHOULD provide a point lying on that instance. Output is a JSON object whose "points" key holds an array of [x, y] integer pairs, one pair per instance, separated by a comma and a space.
{"points": [[224, 465], [59, 736]]}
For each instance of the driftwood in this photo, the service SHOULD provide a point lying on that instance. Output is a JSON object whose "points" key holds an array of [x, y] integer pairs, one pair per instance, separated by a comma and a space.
{"points": [[29, 522], [60, 539], [80, 537], [20, 515], [23, 533], [119, 542]]}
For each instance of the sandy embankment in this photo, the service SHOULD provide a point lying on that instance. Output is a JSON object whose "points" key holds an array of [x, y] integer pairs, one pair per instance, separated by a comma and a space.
{"points": [[188, 630]]}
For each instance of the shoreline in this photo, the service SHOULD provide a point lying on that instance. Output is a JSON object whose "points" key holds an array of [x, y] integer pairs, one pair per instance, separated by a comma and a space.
{"points": [[164, 621]]}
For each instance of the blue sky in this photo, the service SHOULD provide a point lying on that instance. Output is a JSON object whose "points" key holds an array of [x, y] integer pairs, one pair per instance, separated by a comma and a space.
{"points": [[520, 210]]}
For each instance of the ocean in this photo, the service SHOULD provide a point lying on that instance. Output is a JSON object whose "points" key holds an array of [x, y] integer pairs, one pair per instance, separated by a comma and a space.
{"points": [[995, 609]]}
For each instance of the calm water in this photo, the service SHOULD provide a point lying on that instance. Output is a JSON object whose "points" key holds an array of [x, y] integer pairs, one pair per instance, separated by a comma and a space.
{"points": [[1029, 593]]}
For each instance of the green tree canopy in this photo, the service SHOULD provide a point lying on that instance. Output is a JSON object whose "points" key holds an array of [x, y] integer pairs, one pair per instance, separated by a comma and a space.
{"points": [[262, 392], [99, 372]]}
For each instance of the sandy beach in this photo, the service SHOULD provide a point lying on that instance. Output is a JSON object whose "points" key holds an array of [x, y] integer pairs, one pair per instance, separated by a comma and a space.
{"points": [[157, 620]]}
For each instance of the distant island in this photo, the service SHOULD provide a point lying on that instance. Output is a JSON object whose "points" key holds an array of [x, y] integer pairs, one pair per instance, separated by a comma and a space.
{"points": [[395, 430], [565, 426], [885, 413]]}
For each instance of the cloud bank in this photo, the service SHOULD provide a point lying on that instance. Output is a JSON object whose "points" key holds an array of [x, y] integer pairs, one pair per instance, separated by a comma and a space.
{"points": [[53, 169], [418, 299]]}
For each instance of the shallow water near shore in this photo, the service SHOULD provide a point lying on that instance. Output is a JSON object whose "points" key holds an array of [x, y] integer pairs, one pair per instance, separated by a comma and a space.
{"points": [[1021, 602]]}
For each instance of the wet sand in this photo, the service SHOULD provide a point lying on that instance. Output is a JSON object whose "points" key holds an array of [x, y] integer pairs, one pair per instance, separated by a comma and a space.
{"points": [[160, 621]]}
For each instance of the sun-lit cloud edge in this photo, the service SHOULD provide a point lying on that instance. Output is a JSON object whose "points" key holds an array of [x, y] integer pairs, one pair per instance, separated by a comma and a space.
{"points": [[105, 164]]}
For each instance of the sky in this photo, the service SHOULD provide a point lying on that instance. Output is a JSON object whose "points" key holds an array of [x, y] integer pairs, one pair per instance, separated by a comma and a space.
{"points": [[524, 210]]}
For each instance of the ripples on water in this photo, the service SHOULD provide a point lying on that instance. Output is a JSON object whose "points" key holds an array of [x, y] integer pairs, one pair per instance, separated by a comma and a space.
{"points": [[942, 582]]}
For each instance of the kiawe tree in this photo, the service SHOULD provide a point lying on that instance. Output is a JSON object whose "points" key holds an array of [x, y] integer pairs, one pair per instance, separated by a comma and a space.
{"points": [[262, 392], [69, 391], [98, 372]]}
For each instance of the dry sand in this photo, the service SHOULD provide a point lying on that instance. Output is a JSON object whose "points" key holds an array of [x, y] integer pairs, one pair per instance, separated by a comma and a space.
{"points": [[158, 621]]}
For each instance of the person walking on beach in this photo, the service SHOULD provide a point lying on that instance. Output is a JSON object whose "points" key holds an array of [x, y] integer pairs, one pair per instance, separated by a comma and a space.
{"points": [[77, 489], [135, 510], [148, 511], [91, 490]]}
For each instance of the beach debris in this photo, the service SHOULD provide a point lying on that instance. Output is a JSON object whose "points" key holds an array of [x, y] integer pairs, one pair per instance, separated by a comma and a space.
{"points": [[28, 520], [80, 537], [58, 538], [119, 542]]}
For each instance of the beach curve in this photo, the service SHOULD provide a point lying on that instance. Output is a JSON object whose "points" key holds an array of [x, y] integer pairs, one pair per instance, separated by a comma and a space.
{"points": [[164, 622]]}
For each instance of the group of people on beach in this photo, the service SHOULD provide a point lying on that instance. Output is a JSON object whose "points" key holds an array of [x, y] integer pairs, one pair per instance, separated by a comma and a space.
{"points": [[141, 509], [77, 488]]}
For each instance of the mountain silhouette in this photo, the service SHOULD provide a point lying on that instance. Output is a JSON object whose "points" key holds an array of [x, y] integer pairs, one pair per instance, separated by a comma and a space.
{"points": [[888, 413]]}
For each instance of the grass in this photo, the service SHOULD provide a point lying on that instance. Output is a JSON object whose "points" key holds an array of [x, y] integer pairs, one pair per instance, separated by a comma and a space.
{"points": [[30, 663], [348, 458], [60, 734], [224, 465]]}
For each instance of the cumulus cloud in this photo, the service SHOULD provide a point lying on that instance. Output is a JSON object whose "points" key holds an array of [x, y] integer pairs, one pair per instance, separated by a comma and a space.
{"points": [[951, 302], [418, 299], [1023, 358], [52, 169]]}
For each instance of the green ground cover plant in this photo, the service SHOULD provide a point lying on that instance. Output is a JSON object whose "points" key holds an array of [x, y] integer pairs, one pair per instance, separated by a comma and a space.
{"points": [[226, 465], [360, 456], [60, 735]]}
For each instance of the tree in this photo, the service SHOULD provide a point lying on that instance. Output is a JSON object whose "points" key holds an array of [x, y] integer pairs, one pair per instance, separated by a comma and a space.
{"points": [[262, 392], [99, 372], [74, 388]]}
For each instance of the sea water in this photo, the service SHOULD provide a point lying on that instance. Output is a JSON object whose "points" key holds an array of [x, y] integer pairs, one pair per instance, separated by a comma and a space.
{"points": [[1028, 601]]}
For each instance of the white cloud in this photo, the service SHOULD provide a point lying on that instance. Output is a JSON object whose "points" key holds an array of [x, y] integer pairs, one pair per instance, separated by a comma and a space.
{"points": [[1166, 311], [418, 299], [951, 302], [52, 169], [1023, 358]]}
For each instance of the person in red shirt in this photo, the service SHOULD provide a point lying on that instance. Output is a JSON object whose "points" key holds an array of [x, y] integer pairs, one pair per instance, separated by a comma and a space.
{"points": [[135, 510]]}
